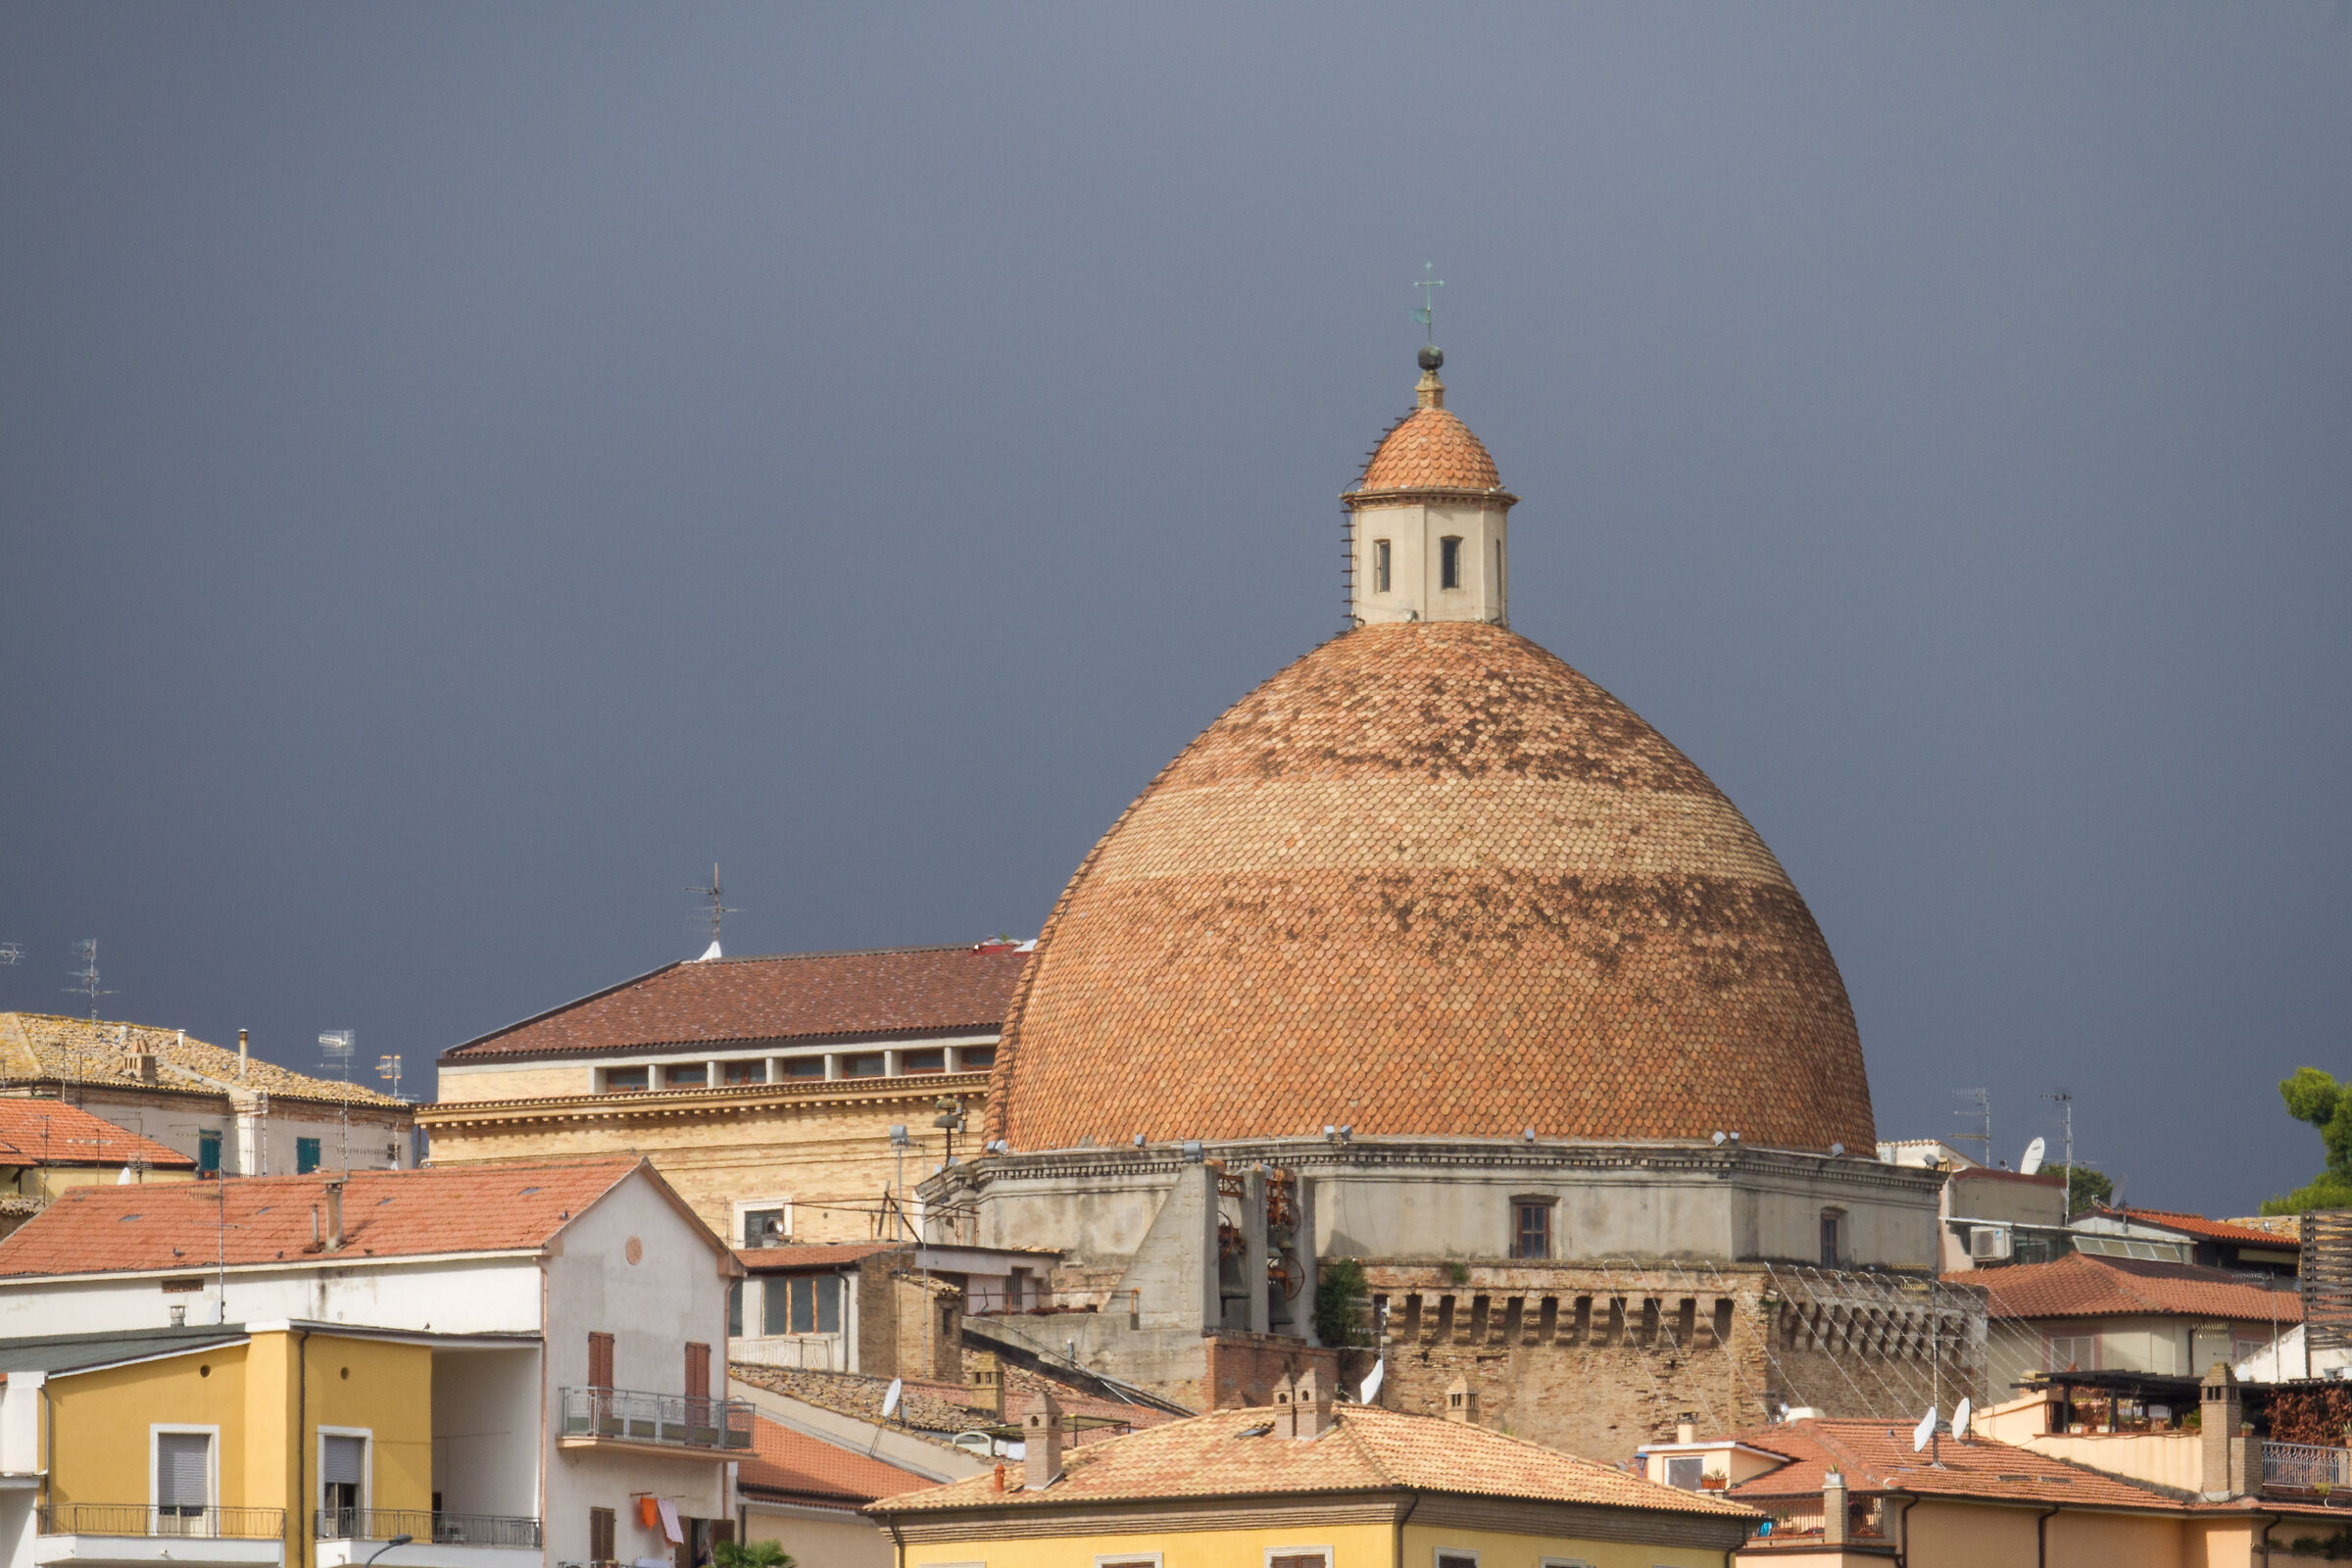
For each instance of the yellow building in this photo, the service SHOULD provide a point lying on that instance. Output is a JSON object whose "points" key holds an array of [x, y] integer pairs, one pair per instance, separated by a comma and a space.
{"points": [[1304, 1485], [271, 1446]]}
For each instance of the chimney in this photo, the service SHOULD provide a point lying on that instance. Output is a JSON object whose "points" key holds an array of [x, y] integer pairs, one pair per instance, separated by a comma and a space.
{"points": [[2225, 1454], [244, 1056], [334, 1216], [1686, 1430], [143, 1069], [1310, 1406], [1836, 1521], [1461, 1403], [986, 1382], [1041, 1443]]}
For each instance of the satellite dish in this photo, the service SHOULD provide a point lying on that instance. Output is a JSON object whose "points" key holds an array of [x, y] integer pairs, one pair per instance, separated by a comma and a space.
{"points": [[1961, 1417], [1921, 1432], [890, 1401], [1380, 1370], [2030, 1162], [710, 953]]}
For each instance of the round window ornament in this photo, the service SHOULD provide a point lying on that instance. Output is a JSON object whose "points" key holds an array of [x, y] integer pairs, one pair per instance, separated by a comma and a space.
{"points": [[634, 1252]]}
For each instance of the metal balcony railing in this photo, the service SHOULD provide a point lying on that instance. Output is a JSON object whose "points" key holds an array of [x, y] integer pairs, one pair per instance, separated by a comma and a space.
{"points": [[421, 1524], [2305, 1467], [142, 1519], [631, 1415]]}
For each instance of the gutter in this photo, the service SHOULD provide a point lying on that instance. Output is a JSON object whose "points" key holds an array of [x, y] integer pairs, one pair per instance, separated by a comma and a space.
{"points": [[1398, 1560]]}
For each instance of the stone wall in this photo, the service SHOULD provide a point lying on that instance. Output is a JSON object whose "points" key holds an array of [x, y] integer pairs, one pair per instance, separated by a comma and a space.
{"points": [[1243, 1368], [1599, 1360]]}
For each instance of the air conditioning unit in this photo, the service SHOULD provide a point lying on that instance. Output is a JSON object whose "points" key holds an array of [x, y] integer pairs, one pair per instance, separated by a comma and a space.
{"points": [[1988, 1244]]}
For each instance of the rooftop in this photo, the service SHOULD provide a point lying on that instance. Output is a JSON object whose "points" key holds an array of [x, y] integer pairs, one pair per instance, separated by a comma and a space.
{"points": [[1876, 1456], [41, 1047], [50, 1132], [268, 1219], [790, 1465], [879, 992], [79, 1352], [2197, 1225], [1234, 1453], [2079, 1285]]}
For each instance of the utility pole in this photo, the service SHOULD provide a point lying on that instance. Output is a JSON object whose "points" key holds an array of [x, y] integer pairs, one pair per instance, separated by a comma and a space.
{"points": [[1980, 1107], [2066, 1104]]}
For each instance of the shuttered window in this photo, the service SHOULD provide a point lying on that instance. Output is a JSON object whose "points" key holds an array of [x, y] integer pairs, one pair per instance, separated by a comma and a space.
{"points": [[184, 1465], [345, 1462], [600, 1535], [698, 1371], [600, 1360]]}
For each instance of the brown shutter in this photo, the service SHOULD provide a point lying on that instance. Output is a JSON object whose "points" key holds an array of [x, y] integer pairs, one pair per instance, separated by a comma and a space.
{"points": [[698, 1371], [600, 1535], [600, 1360]]}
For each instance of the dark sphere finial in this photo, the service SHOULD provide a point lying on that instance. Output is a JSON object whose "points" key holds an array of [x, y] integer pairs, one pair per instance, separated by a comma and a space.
{"points": [[1432, 356]]}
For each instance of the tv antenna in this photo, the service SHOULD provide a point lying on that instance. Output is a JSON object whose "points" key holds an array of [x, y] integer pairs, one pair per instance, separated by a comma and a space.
{"points": [[85, 979], [2066, 1104], [11, 953], [719, 909], [389, 1067], [336, 1045], [1981, 1107]]}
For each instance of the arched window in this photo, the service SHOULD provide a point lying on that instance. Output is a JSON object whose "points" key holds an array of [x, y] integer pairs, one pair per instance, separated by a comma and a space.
{"points": [[1380, 566], [1450, 561]]}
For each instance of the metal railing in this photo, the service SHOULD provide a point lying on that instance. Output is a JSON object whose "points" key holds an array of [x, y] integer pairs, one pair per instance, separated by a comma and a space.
{"points": [[1802, 1523], [142, 1519], [422, 1524], [2306, 1467], [677, 1420]]}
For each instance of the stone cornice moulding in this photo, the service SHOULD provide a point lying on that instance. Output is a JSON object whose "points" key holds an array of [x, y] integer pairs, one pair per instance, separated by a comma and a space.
{"points": [[1480, 499], [653, 1105]]}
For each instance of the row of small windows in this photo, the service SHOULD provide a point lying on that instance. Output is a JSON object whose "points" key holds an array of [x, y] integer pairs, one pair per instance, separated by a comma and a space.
{"points": [[789, 1303], [795, 1069], [1450, 564]]}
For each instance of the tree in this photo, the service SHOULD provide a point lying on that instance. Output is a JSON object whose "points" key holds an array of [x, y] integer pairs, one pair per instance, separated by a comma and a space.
{"points": [[1339, 1287], [2086, 1189], [2313, 1097], [755, 1554]]}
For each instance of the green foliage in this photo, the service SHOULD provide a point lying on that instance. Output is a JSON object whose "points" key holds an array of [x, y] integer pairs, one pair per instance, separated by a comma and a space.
{"points": [[2085, 1188], [2313, 1097], [1339, 1285], [757, 1555]]}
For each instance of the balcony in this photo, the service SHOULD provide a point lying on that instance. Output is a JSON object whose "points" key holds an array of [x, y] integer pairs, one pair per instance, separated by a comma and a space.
{"points": [[134, 1534], [631, 1419], [351, 1535], [2311, 1473]]}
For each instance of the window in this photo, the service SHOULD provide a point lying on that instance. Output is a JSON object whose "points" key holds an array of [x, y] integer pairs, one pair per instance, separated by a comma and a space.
{"points": [[764, 1227], [923, 1061], [2073, 1353], [1133, 1559], [1832, 1223], [1016, 1289], [735, 1310], [600, 1535], [208, 1154], [698, 1371], [745, 1072], [695, 1075], [1498, 583], [1380, 566], [627, 1080], [1531, 1227], [306, 1155], [342, 1485], [805, 1067], [972, 1059], [865, 1064], [183, 1475], [1455, 1557], [802, 1304], [600, 1360], [1685, 1470], [1299, 1557], [1449, 567]]}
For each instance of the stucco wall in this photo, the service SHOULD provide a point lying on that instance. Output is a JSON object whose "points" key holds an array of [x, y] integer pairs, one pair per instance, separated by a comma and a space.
{"points": [[1414, 533], [486, 1431], [101, 1426], [483, 1296], [820, 1536]]}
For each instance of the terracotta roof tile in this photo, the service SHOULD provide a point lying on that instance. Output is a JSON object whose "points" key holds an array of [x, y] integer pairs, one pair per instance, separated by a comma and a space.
{"points": [[266, 1219], [812, 1256], [1430, 449], [2079, 1285], [44, 1047], [2213, 1230], [790, 1463], [1877, 1457], [1430, 880], [1365, 1449], [887, 992], [50, 1132]]}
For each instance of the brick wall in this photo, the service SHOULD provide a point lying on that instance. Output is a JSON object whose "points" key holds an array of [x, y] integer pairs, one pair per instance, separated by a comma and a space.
{"points": [[1243, 1368]]}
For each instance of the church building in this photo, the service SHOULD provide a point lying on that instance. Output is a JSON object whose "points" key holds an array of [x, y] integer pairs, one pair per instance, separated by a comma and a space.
{"points": [[1431, 955]]}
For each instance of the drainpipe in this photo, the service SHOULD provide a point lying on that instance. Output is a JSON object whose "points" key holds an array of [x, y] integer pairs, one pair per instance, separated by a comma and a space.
{"points": [[302, 1422], [2042, 1538], [1398, 1560], [1902, 1533], [2264, 1522], [899, 1540]]}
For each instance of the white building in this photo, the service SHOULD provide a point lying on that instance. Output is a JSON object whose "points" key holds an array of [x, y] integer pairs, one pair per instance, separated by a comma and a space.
{"points": [[573, 1312]]}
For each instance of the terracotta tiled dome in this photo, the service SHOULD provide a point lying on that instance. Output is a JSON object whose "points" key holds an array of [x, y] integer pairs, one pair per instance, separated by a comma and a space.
{"points": [[1430, 880], [1431, 450]]}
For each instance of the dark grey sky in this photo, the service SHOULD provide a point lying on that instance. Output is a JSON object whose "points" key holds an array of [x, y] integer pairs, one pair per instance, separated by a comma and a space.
{"points": [[463, 468]]}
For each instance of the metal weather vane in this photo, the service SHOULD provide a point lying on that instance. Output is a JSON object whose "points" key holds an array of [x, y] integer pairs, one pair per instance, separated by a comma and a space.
{"points": [[1426, 313]]}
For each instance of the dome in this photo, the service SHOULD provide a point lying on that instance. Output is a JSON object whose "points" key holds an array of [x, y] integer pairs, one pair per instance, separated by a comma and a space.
{"points": [[1429, 880], [1430, 449]]}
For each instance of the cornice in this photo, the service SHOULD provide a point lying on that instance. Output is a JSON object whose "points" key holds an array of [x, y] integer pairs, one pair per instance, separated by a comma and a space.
{"points": [[466, 1056], [660, 1104], [1373, 500]]}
